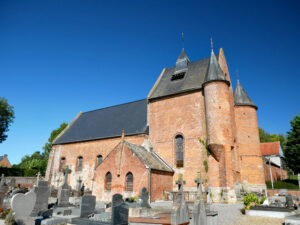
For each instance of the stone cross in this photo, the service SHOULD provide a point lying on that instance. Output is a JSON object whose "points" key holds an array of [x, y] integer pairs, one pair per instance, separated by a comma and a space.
{"points": [[78, 188], [180, 182], [66, 172], [198, 181]]}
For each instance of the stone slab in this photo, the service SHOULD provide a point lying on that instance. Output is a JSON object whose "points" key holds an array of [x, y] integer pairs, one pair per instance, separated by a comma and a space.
{"points": [[54, 221], [84, 221], [23, 204], [87, 205], [271, 214], [293, 220]]}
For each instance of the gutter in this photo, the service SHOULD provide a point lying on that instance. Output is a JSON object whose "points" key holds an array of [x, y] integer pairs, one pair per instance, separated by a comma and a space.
{"points": [[149, 183]]}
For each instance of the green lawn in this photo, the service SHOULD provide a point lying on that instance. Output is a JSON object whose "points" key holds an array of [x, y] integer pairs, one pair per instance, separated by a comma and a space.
{"points": [[285, 184]]}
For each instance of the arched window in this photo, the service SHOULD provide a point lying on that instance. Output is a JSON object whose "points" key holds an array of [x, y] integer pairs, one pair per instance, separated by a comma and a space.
{"points": [[99, 160], [108, 181], [62, 163], [129, 182], [179, 150], [79, 163]]}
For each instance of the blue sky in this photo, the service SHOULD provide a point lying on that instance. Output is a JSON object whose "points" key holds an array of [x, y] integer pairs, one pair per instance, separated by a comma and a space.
{"points": [[58, 58]]}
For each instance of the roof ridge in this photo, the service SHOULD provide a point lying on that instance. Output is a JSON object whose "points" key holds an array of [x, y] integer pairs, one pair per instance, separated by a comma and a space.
{"points": [[126, 103]]}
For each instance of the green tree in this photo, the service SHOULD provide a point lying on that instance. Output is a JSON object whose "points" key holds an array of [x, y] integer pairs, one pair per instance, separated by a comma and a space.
{"points": [[48, 146], [292, 145], [6, 118], [264, 136]]}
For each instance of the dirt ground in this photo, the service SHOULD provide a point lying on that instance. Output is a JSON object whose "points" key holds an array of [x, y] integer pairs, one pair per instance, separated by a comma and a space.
{"points": [[257, 220]]}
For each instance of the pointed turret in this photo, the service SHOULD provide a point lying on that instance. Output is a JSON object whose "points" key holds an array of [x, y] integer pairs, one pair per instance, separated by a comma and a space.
{"points": [[182, 62], [214, 73], [241, 97]]}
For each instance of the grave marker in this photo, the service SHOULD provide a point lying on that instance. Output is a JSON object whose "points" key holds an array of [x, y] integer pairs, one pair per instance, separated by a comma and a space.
{"points": [[65, 189], [42, 192], [87, 205], [145, 198], [120, 210]]}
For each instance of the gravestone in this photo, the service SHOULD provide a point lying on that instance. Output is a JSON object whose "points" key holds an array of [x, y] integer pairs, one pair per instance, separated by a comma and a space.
{"points": [[289, 201], [145, 198], [283, 192], [3, 189], [77, 192], [237, 189], [42, 192], [180, 213], [87, 205], [299, 179], [22, 205], [65, 190], [199, 210], [120, 210], [12, 183]]}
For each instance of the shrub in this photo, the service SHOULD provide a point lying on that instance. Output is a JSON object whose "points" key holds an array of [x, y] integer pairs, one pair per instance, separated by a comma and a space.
{"points": [[250, 198], [243, 211]]}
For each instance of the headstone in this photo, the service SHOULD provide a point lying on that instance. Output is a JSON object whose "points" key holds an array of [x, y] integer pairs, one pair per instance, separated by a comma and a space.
{"points": [[78, 188], [65, 190], [299, 179], [289, 201], [145, 198], [120, 210], [42, 192], [12, 183], [199, 210], [237, 189], [87, 205], [283, 192], [3, 189], [180, 213], [22, 205]]}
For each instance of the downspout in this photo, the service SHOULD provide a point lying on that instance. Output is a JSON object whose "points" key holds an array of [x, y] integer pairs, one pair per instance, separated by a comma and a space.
{"points": [[149, 185]]}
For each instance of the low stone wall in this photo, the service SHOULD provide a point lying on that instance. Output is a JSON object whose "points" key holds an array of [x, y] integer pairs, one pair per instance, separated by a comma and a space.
{"points": [[26, 182], [272, 192]]}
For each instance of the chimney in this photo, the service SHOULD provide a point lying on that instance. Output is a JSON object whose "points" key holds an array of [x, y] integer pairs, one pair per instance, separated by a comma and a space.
{"points": [[5, 155]]}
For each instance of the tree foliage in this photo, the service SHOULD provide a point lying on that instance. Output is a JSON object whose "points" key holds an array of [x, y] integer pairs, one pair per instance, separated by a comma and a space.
{"points": [[6, 118], [264, 136], [38, 161], [292, 145]]}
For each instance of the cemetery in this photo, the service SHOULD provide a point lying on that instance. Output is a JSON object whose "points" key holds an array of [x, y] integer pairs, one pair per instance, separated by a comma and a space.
{"points": [[38, 206]]}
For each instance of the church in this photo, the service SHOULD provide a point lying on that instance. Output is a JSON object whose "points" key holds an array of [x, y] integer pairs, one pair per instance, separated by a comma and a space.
{"points": [[191, 121]]}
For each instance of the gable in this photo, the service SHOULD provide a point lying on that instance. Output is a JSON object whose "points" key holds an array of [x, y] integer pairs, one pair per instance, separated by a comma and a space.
{"points": [[107, 123]]}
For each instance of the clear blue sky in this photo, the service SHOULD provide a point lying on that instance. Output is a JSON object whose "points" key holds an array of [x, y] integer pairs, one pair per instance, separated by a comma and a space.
{"points": [[58, 58]]}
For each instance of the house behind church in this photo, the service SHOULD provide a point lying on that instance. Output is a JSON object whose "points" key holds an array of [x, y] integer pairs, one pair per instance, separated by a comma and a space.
{"points": [[188, 102]]}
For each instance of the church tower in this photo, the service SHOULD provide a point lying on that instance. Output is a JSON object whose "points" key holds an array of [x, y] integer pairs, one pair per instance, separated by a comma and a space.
{"points": [[220, 135], [247, 138]]}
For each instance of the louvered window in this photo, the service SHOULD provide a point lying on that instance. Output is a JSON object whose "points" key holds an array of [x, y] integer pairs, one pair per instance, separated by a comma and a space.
{"points": [[129, 182], [179, 151], [62, 163], [79, 163]]}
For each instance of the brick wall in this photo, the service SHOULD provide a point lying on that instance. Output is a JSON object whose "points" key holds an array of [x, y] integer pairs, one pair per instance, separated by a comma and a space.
{"points": [[277, 173], [89, 151], [181, 114], [247, 139], [119, 162], [272, 192], [160, 181], [26, 182]]}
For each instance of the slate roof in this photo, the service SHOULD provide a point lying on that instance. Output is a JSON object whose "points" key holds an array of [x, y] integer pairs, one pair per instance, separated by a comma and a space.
{"points": [[193, 80], [182, 56], [149, 158], [214, 73], [107, 122], [1, 157], [241, 97]]}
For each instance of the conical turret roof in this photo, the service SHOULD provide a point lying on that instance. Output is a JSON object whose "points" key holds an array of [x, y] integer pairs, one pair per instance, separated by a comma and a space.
{"points": [[241, 97], [214, 73]]}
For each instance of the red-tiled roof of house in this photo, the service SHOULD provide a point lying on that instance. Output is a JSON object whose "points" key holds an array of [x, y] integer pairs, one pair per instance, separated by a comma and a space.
{"points": [[270, 148]]}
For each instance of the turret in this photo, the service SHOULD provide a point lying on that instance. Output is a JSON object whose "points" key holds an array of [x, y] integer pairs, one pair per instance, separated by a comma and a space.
{"points": [[247, 139], [219, 123]]}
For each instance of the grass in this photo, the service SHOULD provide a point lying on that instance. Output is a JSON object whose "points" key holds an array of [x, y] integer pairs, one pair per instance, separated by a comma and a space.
{"points": [[293, 177], [285, 184]]}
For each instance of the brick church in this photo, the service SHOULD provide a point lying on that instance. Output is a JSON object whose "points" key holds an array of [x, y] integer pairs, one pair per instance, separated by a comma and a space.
{"points": [[190, 121]]}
